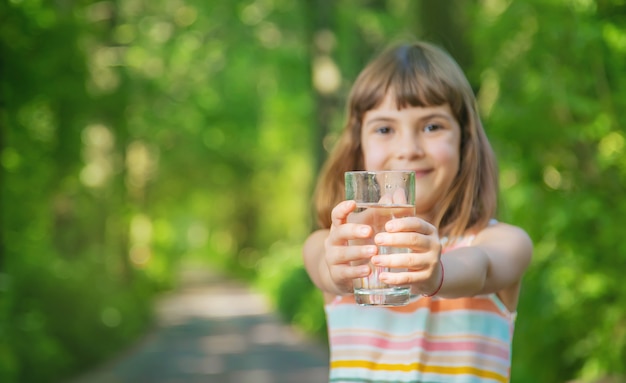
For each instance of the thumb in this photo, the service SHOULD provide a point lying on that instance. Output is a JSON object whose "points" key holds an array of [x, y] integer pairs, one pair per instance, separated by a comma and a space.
{"points": [[399, 197]]}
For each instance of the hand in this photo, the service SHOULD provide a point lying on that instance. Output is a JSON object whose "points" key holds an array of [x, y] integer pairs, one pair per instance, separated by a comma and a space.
{"points": [[424, 271], [339, 256]]}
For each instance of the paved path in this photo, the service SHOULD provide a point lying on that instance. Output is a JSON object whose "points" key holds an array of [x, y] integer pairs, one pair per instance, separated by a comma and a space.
{"points": [[216, 330]]}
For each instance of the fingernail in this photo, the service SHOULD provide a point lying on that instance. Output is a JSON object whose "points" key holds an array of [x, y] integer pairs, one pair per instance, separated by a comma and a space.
{"points": [[364, 230], [371, 250], [390, 226], [376, 260], [364, 270]]}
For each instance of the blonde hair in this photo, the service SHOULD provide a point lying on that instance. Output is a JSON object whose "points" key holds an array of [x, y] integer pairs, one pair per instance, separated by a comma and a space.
{"points": [[420, 74]]}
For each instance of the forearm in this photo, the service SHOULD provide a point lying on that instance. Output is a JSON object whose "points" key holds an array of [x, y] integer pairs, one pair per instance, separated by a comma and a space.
{"points": [[495, 262], [465, 272]]}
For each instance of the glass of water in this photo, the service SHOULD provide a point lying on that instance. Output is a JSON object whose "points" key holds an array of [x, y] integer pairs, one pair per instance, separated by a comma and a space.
{"points": [[380, 196]]}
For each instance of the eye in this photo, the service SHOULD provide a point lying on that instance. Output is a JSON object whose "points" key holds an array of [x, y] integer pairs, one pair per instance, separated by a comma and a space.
{"points": [[383, 130], [432, 127]]}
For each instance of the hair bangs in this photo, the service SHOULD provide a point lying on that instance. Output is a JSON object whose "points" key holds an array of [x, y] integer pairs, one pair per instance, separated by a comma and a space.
{"points": [[415, 77], [370, 90], [418, 82]]}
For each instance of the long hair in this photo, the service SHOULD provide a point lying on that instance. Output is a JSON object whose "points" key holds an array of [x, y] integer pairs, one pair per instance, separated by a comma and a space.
{"points": [[420, 74]]}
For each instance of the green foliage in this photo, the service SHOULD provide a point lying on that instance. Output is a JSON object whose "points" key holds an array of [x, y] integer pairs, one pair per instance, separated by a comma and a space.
{"points": [[552, 85], [282, 276], [56, 325], [136, 134]]}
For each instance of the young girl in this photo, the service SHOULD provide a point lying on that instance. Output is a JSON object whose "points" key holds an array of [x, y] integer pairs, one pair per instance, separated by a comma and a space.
{"points": [[412, 108]]}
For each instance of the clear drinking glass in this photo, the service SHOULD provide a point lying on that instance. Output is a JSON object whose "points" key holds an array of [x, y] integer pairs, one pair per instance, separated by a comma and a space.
{"points": [[380, 196]]}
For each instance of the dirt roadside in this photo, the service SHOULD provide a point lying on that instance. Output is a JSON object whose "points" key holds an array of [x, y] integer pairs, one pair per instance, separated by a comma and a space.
{"points": [[213, 329]]}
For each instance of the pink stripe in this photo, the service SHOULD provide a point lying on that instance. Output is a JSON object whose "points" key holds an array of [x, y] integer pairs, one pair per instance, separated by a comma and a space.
{"points": [[426, 345]]}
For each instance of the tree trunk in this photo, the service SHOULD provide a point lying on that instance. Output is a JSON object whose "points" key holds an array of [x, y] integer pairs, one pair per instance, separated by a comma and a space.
{"points": [[446, 23]]}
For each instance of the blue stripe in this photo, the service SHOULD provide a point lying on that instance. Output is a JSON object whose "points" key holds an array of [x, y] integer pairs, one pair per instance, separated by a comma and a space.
{"points": [[347, 317]]}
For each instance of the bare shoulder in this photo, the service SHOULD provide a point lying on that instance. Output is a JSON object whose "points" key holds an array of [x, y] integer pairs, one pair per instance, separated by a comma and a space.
{"points": [[508, 247], [503, 233]]}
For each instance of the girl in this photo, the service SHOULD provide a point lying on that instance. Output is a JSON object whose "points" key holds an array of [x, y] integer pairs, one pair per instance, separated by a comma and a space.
{"points": [[412, 108]]}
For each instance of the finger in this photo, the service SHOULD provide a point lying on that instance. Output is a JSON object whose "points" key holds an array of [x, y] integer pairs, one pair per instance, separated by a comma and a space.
{"points": [[399, 197], [414, 224], [415, 241], [348, 254], [411, 261], [341, 234], [339, 214], [404, 278], [386, 199], [345, 272]]}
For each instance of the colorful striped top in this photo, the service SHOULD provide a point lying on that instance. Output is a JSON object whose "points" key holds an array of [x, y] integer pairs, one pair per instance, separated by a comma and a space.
{"points": [[463, 340]]}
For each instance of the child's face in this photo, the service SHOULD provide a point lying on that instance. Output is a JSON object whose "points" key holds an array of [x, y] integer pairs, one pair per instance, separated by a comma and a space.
{"points": [[426, 140]]}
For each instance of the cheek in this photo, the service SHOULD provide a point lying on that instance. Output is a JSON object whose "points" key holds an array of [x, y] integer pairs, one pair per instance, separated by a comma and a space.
{"points": [[451, 158], [455, 160]]}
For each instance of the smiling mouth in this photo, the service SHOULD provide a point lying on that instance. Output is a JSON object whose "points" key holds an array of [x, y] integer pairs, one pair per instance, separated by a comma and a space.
{"points": [[421, 173]]}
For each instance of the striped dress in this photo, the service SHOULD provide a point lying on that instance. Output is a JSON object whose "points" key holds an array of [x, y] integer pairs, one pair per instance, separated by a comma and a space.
{"points": [[431, 340]]}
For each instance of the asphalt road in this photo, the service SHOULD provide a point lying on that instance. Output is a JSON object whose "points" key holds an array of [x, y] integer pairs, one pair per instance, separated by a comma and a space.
{"points": [[216, 330]]}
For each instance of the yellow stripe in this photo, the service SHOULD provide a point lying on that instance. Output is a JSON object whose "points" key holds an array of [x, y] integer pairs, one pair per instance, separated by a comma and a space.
{"points": [[417, 367], [407, 358]]}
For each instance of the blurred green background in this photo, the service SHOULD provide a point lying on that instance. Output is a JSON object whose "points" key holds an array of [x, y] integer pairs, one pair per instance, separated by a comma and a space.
{"points": [[137, 135]]}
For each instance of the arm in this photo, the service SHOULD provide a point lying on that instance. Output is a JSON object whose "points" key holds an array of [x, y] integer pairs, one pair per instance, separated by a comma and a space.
{"points": [[495, 262], [503, 253]]}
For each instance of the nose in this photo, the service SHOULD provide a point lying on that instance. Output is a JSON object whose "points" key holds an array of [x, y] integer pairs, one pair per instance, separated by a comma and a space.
{"points": [[409, 147]]}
